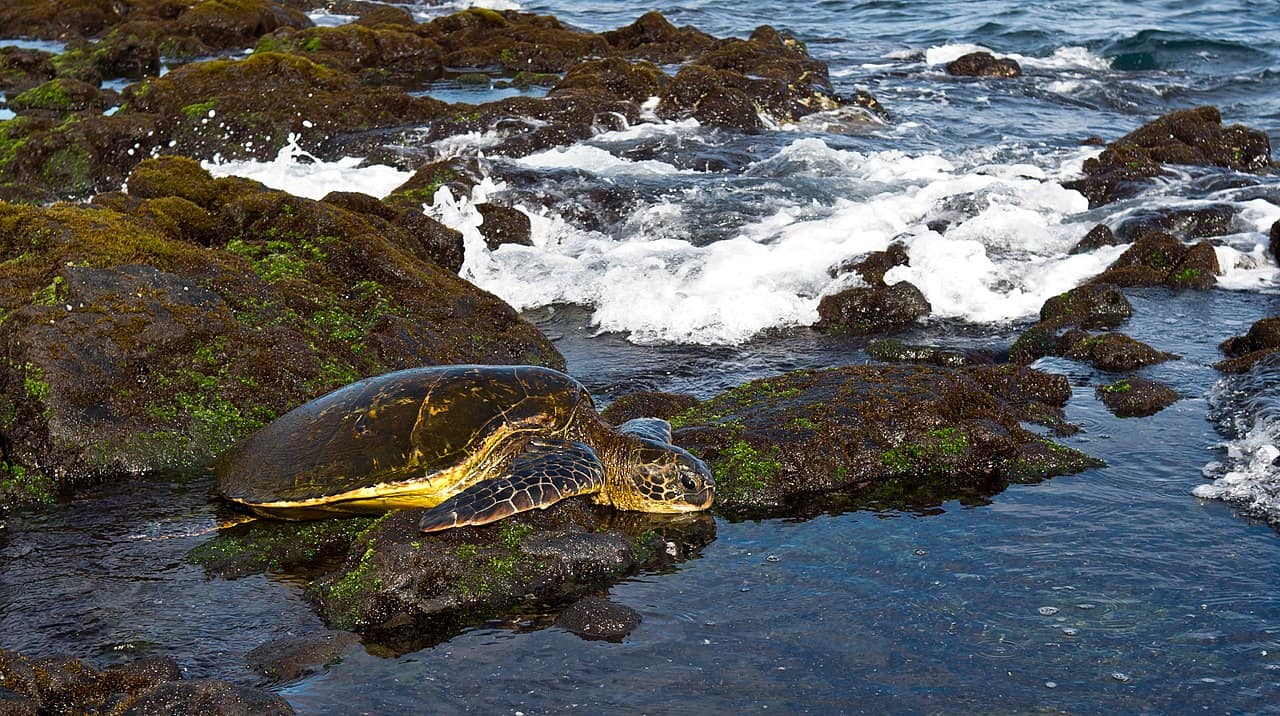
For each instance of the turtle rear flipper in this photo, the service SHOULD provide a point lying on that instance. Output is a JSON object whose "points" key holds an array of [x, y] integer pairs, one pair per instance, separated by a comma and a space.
{"points": [[545, 473]]}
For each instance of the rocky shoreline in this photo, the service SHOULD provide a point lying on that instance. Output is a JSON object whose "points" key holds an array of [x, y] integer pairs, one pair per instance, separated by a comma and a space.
{"points": [[147, 329]]}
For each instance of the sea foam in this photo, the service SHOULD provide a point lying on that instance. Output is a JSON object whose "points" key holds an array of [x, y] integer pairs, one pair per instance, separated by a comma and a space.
{"points": [[1246, 409], [298, 172], [657, 285]]}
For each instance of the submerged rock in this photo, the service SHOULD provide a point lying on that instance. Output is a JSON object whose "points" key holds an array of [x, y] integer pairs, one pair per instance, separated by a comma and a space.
{"points": [[1262, 340], [1136, 397], [780, 442], [868, 309], [402, 589], [891, 350], [1190, 137], [127, 346], [1198, 223], [66, 685], [984, 64], [599, 618], [1114, 352], [291, 657]]}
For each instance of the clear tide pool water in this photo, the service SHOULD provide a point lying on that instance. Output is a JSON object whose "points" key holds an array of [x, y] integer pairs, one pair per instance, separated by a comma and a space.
{"points": [[1146, 586]]}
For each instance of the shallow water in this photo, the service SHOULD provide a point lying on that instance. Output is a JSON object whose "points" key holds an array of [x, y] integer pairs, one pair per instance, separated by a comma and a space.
{"points": [[1116, 590]]}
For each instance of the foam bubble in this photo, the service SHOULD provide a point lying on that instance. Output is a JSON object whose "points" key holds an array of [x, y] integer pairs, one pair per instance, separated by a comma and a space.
{"points": [[597, 161], [314, 179]]}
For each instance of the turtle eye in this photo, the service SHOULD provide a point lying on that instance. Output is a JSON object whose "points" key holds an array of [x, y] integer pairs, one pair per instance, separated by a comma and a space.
{"points": [[687, 482]]}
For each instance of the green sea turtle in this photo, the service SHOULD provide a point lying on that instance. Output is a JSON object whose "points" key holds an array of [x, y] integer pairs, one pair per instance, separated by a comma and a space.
{"points": [[475, 443]]}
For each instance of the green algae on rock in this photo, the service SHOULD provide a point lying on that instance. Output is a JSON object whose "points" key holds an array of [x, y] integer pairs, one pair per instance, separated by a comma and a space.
{"points": [[782, 441], [403, 590], [149, 350]]}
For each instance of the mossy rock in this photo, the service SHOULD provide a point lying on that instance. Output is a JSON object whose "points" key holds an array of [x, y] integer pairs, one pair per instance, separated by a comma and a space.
{"points": [[403, 590], [259, 101], [1189, 137], [778, 445], [1261, 340], [145, 337]]}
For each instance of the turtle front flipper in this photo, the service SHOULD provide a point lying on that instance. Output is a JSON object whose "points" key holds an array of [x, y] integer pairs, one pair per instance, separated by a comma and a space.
{"points": [[545, 473]]}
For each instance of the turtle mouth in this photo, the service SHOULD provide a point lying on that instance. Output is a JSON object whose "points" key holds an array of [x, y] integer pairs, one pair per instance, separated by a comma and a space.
{"points": [[701, 499]]}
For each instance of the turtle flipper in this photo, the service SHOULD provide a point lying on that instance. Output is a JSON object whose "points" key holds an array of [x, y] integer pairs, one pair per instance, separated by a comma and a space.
{"points": [[545, 473]]}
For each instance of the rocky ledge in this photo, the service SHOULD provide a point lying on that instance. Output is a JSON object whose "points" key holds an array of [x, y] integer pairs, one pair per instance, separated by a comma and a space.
{"points": [[150, 330]]}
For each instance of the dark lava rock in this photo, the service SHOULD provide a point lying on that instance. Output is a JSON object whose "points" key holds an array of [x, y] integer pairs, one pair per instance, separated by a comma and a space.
{"points": [[435, 241], [504, 225], [186, 29], [258, 101], [733, 80], [22, 69], [647, 404], [654, 38], [59, 97], [598, 618], [64, 685], [893, 350], [984, 64], [635, 81], [402, 589], [1099, 236], [208, 697], [869, 309], [376, 55], [513, 41], [874, 265], [1114, 352], [780, 442], [460, 175], [1190, 137], [1159, 259], [291, 657], [1136, 397], [1093, 305], [1262, 340], [1204, 222], [128, 348], [1275, 241]]}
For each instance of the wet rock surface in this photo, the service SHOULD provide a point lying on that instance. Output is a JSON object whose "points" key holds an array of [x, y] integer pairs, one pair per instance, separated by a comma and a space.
{"points": [[1112, 352], [599, 618], [1135, 397], [61, 684], [291, 657], [891, 350], [402, 589], [152, 330], [776, 442], [1190, 137], [866, 309], [1262, 340], [984, 64]]}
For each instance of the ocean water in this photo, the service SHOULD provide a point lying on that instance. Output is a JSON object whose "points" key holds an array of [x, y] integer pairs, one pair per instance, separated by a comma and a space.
{"points": [[677, 257]]}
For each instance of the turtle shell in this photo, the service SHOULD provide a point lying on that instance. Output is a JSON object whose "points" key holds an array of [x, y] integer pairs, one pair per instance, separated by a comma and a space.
{"points": [[378, 435]]}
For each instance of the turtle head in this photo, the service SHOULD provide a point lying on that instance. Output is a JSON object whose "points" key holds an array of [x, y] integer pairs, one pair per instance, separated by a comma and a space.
{"points": [[666, 478]]}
